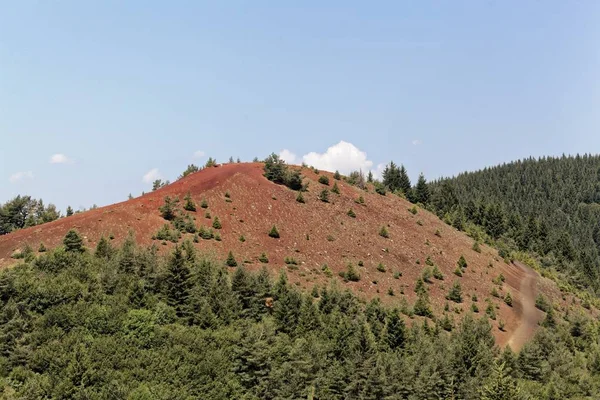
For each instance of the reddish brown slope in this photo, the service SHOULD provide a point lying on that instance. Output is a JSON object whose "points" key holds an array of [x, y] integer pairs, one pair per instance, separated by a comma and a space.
{"points": [[315, 233]]}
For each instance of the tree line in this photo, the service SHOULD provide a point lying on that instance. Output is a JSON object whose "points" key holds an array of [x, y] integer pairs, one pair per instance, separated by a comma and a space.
{"points": [[126, 322]]}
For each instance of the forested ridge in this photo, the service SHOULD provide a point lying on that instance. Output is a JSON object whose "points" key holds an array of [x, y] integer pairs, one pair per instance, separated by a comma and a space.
{"points": [[126, 323], [549, 206]]}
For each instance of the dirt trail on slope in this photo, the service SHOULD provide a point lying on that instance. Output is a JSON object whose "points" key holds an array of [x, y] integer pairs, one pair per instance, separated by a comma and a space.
{"points": [[530, 316]]}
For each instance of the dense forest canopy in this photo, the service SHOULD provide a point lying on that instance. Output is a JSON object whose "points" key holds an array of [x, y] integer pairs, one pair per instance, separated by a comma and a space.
{"points": [[126, 323], [23, 212], [550, 206]]}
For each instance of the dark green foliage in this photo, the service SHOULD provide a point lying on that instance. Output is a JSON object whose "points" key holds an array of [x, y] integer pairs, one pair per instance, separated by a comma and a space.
{"points": [[25, 211], [177, 282], [396, 179], [206, 233], [383, 232], [189, 204], [300, 198], [337, 176], [157, 184], [360, 200], [421, 194], [231, 262], [462, 262], [455, 293], [335, 189], [508, 299], [437, 274], [216, 223], [263, 258], [227, 195], [167, 210], [542, 303], [277, 171], [204, 203], [104, 249], [41, 248], [189, 170], [69, 211], [211, 162], [547, 205], [381, 267], [380, 188], [422, 307], [351, 213], [274, 233], [73, 242], [324, 196], [74, 325], [352, 274], [458, 272], [324, 180]]}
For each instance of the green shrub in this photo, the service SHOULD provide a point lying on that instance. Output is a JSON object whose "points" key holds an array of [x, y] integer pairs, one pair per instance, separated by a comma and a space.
{"points": [[42, 248], [216, 223], [300, 198], [204, 203], [324, 180], [189, 204], [429, 261], [352, 274], [274, 233], [383, 232], [324, 196], [381, 267], [337, 176], [462, 263], [508, 299], [242, 238], [335, 189], [455, 293], [458, 272], [263, 258], [476, 247], [413, 210], [360, 200], [290, 261], [351, 213], [437, 274], [231, 262], [167, 210]]}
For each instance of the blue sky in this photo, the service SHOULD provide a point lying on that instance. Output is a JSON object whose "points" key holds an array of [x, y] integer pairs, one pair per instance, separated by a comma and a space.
{"points": [[122, 88]]}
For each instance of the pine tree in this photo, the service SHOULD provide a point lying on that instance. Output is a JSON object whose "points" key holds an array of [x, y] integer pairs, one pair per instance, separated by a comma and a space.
{"points": [[189, 203], [351, 213], [167, 210], [395, 330], [204, 203], [216, 223], [300, 198], [337, 176], [274, 233], [370, 177], [500, 386], [455, 293], [462, 263], [422, 191], [324, 196], [103, 249], [335, 189], [69, 211], [177, 282], [231, 262], [383, 232], [73, 242], [404, 181]]}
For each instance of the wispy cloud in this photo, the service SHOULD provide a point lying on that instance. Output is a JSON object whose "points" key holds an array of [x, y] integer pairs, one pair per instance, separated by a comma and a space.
{"points": [[199, 154], [416, 142], [151, 176], [20, 176], [60, 158]]}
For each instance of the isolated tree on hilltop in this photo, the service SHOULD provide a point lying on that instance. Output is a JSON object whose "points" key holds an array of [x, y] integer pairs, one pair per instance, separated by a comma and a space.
{"points": [[69, 211], [189, 170]]}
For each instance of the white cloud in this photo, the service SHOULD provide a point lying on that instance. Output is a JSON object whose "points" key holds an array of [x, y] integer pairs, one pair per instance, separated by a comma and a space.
{"points": [[151, 176], [19, 176], [416, 142], [60, 159], [199, 154], [287, 156], [344, 157]]}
